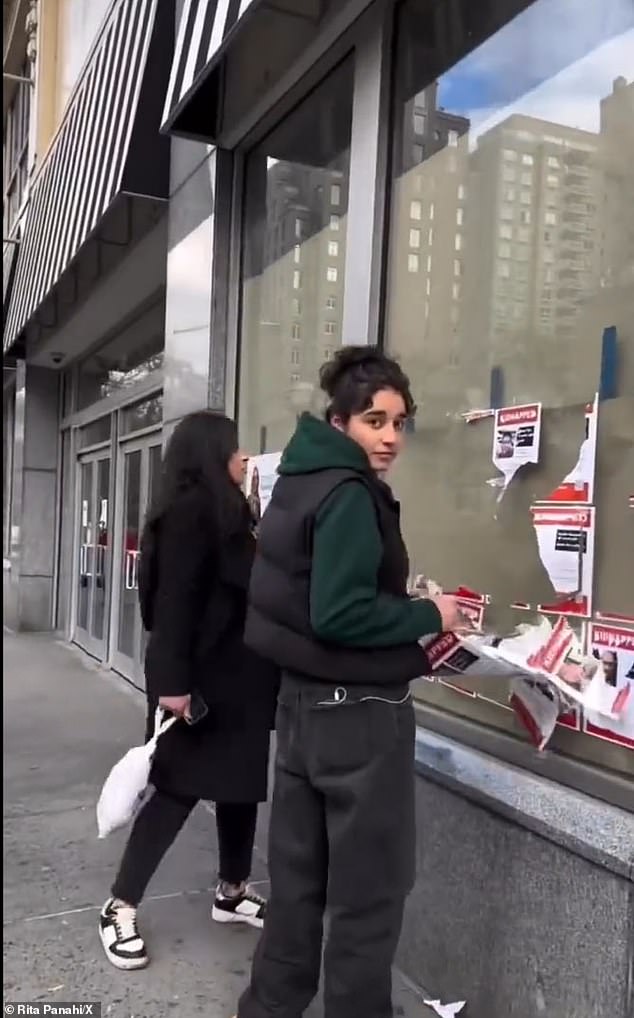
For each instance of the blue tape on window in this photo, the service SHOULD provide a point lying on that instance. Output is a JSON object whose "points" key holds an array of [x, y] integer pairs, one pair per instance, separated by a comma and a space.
{"points": [[608, 381]]}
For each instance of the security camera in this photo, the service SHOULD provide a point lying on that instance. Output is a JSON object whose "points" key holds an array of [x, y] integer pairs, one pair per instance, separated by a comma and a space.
{"points": [[57, 358]]}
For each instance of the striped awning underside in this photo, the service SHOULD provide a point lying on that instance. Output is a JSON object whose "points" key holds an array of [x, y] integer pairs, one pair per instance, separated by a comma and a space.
{"points": [[84, 168], [9, 260], [204, 26]]}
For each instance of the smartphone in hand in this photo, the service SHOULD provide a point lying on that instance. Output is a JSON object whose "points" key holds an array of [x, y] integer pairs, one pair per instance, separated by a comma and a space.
{"points": [[198, 709]]}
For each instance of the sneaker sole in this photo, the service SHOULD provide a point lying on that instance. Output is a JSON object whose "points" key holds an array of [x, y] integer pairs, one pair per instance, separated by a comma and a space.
{"points": [[220, 916], [123, 964]]}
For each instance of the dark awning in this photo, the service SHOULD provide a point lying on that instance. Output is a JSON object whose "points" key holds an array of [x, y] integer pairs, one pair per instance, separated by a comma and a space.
{"points": [[229, 53], [107, 145], [204, 27]]}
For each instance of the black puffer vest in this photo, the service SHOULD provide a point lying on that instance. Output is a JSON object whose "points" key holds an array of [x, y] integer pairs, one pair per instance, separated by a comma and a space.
{"points": [[278, 622]]}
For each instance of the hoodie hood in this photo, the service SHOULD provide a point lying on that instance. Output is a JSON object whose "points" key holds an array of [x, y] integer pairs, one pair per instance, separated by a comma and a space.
{"points": [[316, 445]]}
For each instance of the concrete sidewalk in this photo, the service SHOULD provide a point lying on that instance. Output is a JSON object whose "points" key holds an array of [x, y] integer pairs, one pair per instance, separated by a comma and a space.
{"points": [[66, 722]]}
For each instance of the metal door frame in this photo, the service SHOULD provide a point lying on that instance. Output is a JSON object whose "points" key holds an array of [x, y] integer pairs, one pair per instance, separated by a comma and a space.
{"points": [[130, 667], [83, 637]]}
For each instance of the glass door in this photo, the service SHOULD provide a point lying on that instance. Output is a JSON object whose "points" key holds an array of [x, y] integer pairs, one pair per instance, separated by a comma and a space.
{"points": [[93, 553], [139, 471]]}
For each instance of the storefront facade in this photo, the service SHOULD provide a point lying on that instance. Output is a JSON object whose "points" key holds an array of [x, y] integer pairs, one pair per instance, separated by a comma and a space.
{"points": [[451, 180], [403, 181], [84, 320], [454, 181]]}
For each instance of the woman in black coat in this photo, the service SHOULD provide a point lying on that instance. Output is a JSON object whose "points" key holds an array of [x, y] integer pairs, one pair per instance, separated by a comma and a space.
{"points": [[197, 550]]}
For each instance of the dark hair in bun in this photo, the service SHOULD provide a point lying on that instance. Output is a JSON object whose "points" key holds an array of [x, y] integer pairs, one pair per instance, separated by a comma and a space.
{"points": [[354, 376]]}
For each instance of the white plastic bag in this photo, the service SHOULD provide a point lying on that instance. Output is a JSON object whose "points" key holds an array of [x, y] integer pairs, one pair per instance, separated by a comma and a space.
{"points": [[126, 785]]}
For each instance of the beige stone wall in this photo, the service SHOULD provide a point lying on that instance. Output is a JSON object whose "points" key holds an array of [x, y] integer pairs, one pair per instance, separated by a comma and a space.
{"points": [[50, 53]]}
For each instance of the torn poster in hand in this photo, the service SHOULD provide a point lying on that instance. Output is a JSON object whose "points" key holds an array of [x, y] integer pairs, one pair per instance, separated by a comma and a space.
{"points": [[545, 665], [471, 604], [516, 438]]}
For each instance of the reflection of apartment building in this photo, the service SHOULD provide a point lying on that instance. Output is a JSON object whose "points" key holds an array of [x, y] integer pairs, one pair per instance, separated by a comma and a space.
{"points": [[428, 128], [535, 194], [616, 295], [503, 250], [431, 218], [304, 261], [617, 151], [295, 294]]}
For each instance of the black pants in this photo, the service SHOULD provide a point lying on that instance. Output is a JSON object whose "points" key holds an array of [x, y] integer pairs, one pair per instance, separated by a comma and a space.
{"points": [[156, 828], [342, 837]]}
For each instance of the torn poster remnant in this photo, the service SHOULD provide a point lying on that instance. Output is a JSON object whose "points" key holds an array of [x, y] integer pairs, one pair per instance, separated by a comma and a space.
{"points": [[578, 485], [260, 480], [516, 438], [565, 539], [472, 416]]}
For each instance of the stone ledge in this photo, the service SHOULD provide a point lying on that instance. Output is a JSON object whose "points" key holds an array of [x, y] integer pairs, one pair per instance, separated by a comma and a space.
{"points": [[597, 831]]}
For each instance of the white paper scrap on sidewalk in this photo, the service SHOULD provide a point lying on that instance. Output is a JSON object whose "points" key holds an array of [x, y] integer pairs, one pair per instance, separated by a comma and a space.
{"points": [[445, 1010]]}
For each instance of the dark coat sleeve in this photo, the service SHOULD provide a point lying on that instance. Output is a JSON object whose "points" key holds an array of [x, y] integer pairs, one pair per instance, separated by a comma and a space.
{"points": [[187, 561]]}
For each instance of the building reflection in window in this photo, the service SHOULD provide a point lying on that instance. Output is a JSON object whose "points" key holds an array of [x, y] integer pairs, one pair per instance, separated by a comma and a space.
{"points": [[296, 199], [124, 360], [511, 251]]}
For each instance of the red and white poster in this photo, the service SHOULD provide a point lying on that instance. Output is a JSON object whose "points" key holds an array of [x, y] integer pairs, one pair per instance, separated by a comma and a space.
{"points": [[572, 718], [472, 605], [613, 646], [446, 651], [578, 485], [516, 438], [565, 539]]}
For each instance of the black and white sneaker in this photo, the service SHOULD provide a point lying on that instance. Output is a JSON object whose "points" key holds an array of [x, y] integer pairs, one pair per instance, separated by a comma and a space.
{"points": [[247, 907], [124, 947]]}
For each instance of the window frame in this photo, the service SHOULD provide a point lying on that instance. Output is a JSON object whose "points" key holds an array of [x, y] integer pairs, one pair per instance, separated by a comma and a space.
{"points": [[366, 38], [15, 150]]}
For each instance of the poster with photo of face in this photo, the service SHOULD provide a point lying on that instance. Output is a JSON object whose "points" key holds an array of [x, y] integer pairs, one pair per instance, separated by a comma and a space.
{"points": [[613, 646], [516, 438], [260, 481]]}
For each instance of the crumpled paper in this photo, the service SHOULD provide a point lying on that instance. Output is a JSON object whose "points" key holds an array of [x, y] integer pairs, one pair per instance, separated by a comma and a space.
{"points": [[445, 1010]]}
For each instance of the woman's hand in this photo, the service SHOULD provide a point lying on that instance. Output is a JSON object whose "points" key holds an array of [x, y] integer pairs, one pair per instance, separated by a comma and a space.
{"points": [[178, 705], [451, 615]]}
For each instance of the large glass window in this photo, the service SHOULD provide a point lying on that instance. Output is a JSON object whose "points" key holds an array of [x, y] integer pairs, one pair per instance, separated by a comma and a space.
{"points": [[15, 149], [296, 200], [521, 292], [126, 359]]}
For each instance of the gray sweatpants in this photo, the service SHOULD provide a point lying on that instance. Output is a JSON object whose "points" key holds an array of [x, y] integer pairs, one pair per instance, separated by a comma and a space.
{"points": [[342, 839]]}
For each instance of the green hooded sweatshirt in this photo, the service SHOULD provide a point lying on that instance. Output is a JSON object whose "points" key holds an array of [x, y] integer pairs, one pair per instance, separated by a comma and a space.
{"points": [[346, 607]]}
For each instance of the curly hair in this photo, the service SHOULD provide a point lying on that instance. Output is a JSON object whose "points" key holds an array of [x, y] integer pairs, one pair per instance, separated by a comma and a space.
{"points": [[354, 376]]}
